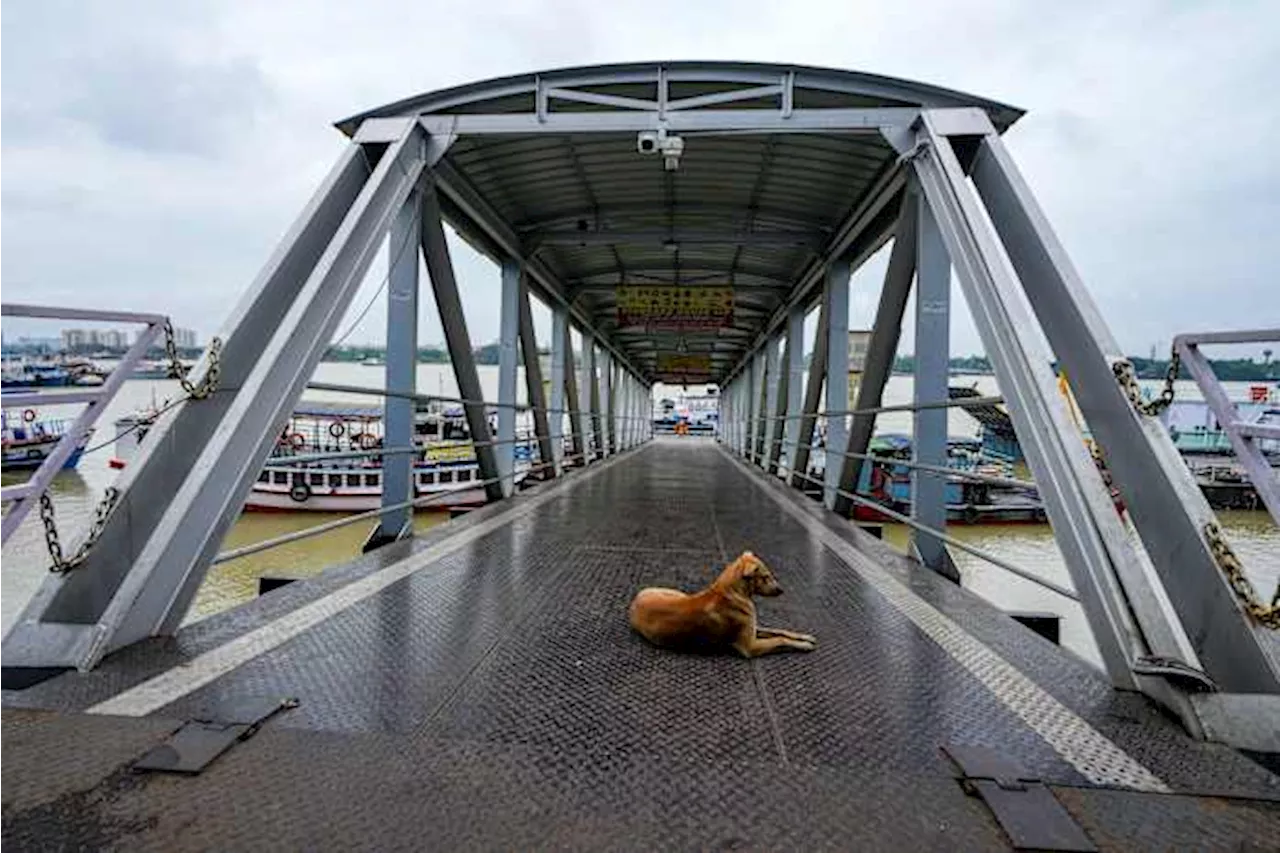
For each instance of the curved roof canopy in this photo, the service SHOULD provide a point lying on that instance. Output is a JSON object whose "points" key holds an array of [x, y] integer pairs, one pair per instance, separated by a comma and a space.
{"points": [[781, 170]]}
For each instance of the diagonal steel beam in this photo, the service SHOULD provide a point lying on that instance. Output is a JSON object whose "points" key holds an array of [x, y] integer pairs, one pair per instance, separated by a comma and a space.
{"points": [[454, 321], [882, 348], [190, 478], [1167, 507]]}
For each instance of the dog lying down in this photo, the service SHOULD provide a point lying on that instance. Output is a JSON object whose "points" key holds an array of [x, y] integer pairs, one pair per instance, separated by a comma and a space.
{"points": [[722, 616]]}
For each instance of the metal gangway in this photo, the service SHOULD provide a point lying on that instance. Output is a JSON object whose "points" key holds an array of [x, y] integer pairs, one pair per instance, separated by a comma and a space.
{"points": [[681, 221]]}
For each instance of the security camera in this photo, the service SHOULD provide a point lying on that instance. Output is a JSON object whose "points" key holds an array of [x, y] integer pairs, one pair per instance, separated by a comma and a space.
{"points": [[658, 142]]}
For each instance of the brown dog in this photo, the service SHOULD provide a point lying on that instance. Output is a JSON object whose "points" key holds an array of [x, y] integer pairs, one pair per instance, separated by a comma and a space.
{"points": [[720, 616]]}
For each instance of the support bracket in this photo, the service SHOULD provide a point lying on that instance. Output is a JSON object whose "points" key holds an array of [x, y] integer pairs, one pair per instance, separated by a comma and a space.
{"points": [[1023, 805]]}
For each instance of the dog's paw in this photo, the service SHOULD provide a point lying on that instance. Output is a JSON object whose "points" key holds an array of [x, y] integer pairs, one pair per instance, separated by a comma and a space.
{"points": [[805, 645], [807, 638]]}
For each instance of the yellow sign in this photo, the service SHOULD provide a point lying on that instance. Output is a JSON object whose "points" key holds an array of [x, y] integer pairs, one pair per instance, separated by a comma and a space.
{"points": [[669, 307], [671, 362], [456, 452]]}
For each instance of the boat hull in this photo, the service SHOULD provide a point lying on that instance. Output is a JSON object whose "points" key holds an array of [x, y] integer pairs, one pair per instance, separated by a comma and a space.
{"points": [[13, 461], [273, 499]]}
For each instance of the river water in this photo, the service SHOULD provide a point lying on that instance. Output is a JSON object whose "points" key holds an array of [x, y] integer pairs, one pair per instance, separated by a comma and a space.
{"points": [[76, 493]]}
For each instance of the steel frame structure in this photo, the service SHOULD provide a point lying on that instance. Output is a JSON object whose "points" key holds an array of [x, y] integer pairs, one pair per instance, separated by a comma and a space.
{"points": [[825, 167], [22, 496]]}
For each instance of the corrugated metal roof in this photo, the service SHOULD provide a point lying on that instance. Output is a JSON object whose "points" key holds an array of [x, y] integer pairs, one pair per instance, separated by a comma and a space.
{"points": [[752, 210]]}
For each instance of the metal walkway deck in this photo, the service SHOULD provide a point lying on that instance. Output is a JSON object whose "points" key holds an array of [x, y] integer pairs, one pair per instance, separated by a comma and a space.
{"points": [[480, 689]]}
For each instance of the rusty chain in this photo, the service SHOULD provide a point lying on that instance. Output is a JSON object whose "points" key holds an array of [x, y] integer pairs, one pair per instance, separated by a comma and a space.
{"points": [[1128, 379], [100, 516], [210, 382], [1231, 566]]}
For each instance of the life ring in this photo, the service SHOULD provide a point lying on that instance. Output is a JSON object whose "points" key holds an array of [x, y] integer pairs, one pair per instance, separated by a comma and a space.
{"points": [[337, 428], [297, 441], [29, 415], [970, 514], [300, 492], [367, 440]]}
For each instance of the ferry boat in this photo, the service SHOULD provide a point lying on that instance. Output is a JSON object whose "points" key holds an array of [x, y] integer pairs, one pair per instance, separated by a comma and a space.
{"points": [[445, 467], [26, 442], [693, 414], [968, 502], [1195, 429]]}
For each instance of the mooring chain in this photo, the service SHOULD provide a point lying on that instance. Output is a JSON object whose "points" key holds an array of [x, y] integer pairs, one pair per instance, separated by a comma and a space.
{"points": [[1231, 566], [100, 516], [210, 382], [1128, 379]]}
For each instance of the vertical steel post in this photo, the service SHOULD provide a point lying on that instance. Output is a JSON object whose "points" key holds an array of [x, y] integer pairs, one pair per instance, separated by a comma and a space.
{"points": [[776, 403], [573, 401], [556, 415], [508, 340], [836, 296], [812, 400], [933, 329], [401, 374], [761, 393], [598, 450], [795, 384], [537, 395], [607, 403]]}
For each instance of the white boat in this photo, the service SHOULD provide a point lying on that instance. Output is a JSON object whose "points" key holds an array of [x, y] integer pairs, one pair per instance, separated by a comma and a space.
{"points": [[445, 471]]}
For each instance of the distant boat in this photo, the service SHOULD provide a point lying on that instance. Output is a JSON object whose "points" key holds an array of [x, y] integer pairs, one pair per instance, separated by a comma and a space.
{"points": [[34, 375], [445, 465], [373, 361], [26, 442]]}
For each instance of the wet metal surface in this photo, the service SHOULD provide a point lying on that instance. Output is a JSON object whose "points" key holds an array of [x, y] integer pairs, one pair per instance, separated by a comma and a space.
{"points": [[496, 698]]}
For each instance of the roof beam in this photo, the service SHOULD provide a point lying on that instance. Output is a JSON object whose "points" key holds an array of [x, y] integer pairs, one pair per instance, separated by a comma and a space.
{"points": [[734, 212], [477, 212], [718, 276], [666, 238], [867, 228], [866, 120]]}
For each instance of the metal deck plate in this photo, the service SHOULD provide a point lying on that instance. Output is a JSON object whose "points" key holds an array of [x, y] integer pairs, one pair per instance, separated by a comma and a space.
{"points": [[496, 698]]}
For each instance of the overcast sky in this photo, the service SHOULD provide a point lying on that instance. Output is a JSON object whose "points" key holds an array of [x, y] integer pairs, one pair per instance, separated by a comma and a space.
{"points": [[154, 153]]}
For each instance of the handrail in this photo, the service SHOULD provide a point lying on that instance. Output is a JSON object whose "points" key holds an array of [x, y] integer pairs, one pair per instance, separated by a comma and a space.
{"points": [[306, 533], [950, 540]]}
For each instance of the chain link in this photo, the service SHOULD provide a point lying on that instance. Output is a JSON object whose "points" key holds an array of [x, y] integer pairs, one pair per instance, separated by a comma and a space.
{"points": [[1128, 379], [101, 514], [210, 382], [1234, 570]]}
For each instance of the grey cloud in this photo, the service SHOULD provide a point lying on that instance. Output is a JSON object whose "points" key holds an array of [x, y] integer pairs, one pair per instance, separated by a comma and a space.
{"points": [[161, 103], [156, 151]]}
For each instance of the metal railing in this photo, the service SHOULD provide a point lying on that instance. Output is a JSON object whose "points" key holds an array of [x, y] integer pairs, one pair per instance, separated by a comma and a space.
{"points": [[23, 496], [594, 448], [326, 527], [746, 432]]}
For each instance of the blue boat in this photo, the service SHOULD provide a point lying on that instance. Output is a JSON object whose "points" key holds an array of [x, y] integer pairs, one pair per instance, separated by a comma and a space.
{"points": [[27, 442]]}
